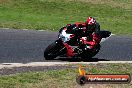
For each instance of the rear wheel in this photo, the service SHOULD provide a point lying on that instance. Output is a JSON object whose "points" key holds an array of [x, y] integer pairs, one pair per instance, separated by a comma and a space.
{"points": [[88, 54], [52, 51], [95, 50]]}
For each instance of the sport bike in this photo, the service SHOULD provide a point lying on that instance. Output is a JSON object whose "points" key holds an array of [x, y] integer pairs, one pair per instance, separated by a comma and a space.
{"points": [[57, 48]]}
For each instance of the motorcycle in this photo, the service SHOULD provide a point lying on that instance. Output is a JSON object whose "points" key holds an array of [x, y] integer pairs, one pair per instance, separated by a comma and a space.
{"points": [[58, 48]]}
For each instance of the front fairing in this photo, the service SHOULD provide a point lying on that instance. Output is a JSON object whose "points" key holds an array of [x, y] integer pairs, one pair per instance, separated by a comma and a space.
{"points": [[66, 38]]}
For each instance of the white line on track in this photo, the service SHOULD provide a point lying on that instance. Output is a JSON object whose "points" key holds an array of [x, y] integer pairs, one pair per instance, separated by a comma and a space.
{"points": [[32, 29], [112, 34], [5, 28], [41, 30], [35, 64], [24, 29]]}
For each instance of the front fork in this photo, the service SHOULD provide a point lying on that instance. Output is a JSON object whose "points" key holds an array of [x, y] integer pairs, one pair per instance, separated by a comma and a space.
{"points": [[60, 44]]}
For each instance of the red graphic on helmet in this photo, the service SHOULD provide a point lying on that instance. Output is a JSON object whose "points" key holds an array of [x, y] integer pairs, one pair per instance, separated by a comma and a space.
{"points": [[90, 21]]}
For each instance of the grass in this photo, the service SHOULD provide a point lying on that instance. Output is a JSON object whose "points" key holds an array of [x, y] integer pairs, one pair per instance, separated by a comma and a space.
{"points": [[65, 78], [113, 15]]}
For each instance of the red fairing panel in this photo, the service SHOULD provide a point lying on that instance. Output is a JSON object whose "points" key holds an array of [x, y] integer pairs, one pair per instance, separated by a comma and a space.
{"points": [[69, 50]]}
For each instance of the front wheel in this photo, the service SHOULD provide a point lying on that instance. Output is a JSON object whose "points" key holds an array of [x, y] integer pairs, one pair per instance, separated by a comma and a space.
{"points": [[52, 51]]}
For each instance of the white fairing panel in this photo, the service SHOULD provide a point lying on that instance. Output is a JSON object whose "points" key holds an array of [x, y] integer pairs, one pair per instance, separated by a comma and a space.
{"points": [[64, 36]]}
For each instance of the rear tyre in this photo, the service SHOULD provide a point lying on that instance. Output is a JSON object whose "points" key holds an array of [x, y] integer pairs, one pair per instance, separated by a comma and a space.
{"points": [[88, 54], [95, 50]]}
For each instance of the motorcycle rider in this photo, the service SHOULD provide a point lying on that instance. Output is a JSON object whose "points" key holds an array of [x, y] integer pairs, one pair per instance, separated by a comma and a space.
{"points": [[88, 33]]}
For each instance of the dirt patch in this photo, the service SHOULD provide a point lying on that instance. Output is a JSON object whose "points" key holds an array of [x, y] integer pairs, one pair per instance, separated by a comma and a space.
{"points": [[23, 69]]}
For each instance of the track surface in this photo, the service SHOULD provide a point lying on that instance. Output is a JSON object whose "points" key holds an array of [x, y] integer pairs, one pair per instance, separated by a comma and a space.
{"points": [[24, 46]]}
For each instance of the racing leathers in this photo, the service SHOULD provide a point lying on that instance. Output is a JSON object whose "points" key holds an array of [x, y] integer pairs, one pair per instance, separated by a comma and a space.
{"points": [[87, 38]]}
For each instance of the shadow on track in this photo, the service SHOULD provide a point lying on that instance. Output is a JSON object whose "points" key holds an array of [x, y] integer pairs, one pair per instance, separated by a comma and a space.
{"points": [[79, 59]]}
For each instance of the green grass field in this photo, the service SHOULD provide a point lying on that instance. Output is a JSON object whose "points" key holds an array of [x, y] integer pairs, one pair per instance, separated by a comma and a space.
{"points": [[65, 78], [113, 15]]}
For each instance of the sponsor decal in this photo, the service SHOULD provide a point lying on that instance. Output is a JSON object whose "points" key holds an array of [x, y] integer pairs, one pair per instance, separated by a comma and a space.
{"points": [[83, 78]]}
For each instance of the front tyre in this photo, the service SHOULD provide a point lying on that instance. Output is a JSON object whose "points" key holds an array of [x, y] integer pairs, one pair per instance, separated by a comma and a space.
{"points": [[52, 51]]}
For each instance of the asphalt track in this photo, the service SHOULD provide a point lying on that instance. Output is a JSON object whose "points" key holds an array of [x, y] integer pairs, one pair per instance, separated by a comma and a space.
{"points": [[25, 46]]}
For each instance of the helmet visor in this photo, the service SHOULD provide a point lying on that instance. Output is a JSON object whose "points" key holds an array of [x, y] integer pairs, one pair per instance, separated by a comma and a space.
{"points": [[90, 27]]}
